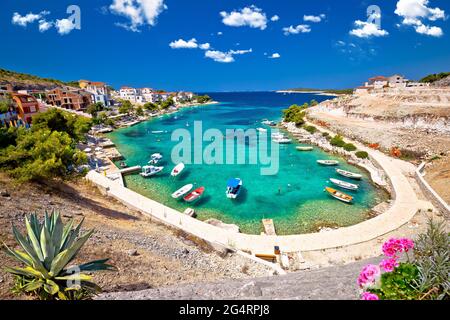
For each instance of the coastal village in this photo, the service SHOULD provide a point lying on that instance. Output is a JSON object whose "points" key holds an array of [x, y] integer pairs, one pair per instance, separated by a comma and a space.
{"points": [[405, 215]]}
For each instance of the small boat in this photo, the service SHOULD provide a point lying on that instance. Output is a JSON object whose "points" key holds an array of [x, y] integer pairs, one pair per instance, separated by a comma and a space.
{"points": [[349, 174], [190, 212], [157, 132], [268, 123], [345, 185], [262, 130], [182, 191], [305, 148], [178, 169], [155, 158], [123, 165], [195, 195], [277, 135], [339, 195], [282, 140], [328, 162], [234, 187], [149, 171]]}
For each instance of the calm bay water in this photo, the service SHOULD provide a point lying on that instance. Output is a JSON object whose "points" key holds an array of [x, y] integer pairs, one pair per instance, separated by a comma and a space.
{"points": [[294, 197]]}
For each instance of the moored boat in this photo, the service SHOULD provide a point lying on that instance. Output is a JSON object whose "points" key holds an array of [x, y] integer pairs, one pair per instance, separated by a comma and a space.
{"points": [[178, 169], [195, 195], [282, 140], [339, 195], [182, 191], [345, 185], [328, 162], [305, 148], [349, 174], [234, 187], [155, 158], [149, 171], [261, 130]]}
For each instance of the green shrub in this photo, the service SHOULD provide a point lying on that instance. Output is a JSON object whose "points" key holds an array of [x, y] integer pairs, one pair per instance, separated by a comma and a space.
{"points": [[325, 134], [47, 248], [349, 147], [399, 284], [311, 129], [337, 141], [362, 154]]}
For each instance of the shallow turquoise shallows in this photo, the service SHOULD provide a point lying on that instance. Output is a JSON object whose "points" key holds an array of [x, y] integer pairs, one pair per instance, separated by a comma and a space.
{"points": [[294, 198]]}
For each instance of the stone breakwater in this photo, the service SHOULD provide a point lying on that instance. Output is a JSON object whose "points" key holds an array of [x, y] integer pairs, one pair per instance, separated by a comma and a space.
{"points": [[376, 173]]}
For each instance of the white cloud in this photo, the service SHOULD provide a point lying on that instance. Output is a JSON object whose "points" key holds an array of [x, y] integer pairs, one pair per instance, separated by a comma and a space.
{"points": [[182, 44], [44, 25], [249, 16], [64, 26], [312, 18], [340, 43], [367, 30], [429, 31], [23, 21], [219, 33], [302, 28], [275, 56], [205, 46], [139, 12], [414, 12], [225, 57], [275, 18]]}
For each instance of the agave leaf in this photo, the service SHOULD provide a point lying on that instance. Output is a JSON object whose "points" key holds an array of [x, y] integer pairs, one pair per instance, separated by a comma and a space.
{"points": [[51, 287], [62, 296], [62, 259], [98, 265], [91, 286], [66, 232], [19, 255], [32, 286], [55, 217], [29, 250], [47, 220], [75, 277], [27, 272], [34, 221], [48, 249], [57, 233], [73, 236], [34, 240]]}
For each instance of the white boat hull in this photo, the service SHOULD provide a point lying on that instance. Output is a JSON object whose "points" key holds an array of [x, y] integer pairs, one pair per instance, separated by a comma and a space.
{"points": [[177, 170], [345, 185], [182, 191]]}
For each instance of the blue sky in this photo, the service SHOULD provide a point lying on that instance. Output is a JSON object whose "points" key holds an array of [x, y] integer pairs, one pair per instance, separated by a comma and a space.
{"points": [[135, 49]]}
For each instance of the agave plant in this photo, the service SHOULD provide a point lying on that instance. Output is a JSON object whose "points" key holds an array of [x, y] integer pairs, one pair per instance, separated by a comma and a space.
{"points": [[48, 248]]}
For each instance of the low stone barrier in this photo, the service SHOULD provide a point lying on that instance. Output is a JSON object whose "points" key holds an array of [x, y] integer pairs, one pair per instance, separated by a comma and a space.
{"points": [[429, 191]]}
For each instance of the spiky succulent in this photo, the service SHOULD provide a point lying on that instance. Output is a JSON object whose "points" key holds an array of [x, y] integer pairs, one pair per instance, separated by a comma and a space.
{"points": [[48, 248]]}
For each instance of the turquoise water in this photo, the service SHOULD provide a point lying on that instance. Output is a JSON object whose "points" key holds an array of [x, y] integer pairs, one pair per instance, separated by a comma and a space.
{"points": [[294, 197]]}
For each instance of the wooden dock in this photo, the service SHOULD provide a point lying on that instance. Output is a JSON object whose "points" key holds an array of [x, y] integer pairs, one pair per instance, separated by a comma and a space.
{"points": [[269, 227]]}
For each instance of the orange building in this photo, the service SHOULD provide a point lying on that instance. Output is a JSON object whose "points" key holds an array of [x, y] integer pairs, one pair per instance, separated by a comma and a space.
{"points": [[26, 106]]}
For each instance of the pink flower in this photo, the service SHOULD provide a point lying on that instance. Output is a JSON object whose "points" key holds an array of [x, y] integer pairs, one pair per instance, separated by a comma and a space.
{"points": [[369, 296], [393, 247], [369, 275], [389, 265]]}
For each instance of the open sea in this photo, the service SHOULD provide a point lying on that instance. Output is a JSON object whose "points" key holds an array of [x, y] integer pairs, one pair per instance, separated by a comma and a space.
{"points": [[294, 197]]}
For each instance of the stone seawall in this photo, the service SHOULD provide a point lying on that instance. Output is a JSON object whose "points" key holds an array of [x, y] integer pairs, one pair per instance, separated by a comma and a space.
{"points": [[437, 201]]}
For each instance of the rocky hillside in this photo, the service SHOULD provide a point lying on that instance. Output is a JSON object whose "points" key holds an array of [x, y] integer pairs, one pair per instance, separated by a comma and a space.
{"points": [[23, 81], [442, 83]]}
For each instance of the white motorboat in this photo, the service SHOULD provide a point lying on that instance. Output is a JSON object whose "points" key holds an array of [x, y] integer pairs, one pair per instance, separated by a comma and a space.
{"points": [[155, 158], [305, 148], [345, 185], [149, 171], [282, 140], [182, 191], [178, 169], [349, 174], [261, 130], [328, 162], [268, 122]]}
